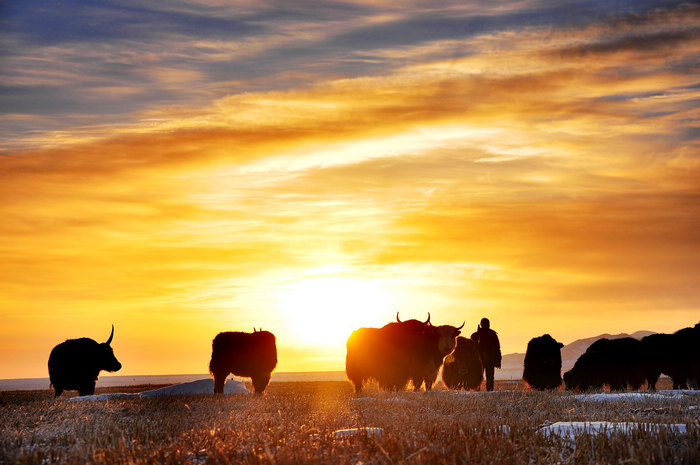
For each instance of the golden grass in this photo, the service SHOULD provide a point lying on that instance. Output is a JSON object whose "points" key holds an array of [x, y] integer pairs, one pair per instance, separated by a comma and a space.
{"points": [[293, 423]]}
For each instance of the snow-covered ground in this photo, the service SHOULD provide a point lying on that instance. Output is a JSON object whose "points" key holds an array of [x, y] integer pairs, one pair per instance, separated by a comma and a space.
{"points": [[200, 386], [637, 396], [572, 429]]}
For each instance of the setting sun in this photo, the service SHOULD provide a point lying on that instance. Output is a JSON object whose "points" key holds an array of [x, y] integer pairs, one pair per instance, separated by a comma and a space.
{"points": [[325, 310]]}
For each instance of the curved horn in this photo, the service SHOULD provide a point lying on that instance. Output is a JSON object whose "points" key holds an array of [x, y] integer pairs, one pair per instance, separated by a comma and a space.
{"points": [[109, 341], [462, 325], [427, 322], [397, 317]]}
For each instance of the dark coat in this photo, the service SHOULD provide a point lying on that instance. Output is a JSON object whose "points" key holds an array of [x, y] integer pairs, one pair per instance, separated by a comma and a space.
{"points": [[663, 353], [372, 354], [689, 354], [542, 366], [613, 362], [398, 353], [462, 368], [76, 363], [250, 355]]}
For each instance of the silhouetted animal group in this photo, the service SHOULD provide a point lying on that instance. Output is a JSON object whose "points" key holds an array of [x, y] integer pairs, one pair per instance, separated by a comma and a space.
{"points": [[413, 351], [75, 364], [618, 364]]}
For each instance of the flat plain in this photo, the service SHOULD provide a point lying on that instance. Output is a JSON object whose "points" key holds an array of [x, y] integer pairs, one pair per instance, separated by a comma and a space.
{"points": [[301, 423]]}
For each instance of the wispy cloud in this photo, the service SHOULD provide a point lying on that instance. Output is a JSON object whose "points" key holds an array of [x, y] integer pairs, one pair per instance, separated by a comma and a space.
{"points": [[519, 160]]}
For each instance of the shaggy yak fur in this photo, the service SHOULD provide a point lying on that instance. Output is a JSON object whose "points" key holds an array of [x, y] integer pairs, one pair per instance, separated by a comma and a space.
{"points": [[398, 353], [542, 367], [75, 364], [613, 362], [676, 355], [250, 355], [462, 368]]}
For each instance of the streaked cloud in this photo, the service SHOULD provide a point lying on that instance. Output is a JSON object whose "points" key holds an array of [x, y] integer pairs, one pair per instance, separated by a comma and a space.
{"points": [[187, 166]]}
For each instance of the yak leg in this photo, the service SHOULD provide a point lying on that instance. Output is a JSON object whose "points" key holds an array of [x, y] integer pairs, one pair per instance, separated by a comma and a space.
{"points": [[87, 389], [59, 391], [358, 385], [430, 379], [652, 379], [417, 383], [219, 381], [260, 382]]}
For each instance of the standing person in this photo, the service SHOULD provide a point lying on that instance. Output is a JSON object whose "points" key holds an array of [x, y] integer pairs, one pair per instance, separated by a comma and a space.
{"points": [[489, 350]]}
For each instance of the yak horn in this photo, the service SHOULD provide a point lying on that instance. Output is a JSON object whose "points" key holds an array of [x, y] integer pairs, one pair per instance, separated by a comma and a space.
{"points": [[397, 317], [427, 322], [109, 341], [462, 325]]}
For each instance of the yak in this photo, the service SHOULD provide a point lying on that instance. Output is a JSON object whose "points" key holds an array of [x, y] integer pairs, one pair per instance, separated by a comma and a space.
{"points": [[373, 354], [689, 352], [615, 362], [251, 355], [425, 348], [398, 353], [75, 364], [462, 368], [663, 353], [542, 366]]}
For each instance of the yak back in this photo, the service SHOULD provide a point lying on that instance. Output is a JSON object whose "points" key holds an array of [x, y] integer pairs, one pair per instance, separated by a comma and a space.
{"points": [[243, 354]]}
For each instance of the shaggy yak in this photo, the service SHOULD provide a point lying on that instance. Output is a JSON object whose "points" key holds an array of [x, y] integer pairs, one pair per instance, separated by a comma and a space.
{"points": [[462, 368], [663, 353], [251, 355], [542, 367], [615, 362], [75, 364], [689, 345], [398, 353]]}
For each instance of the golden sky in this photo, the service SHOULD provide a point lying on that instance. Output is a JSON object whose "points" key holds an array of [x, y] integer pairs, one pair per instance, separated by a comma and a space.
{"points": [[310, 169]]}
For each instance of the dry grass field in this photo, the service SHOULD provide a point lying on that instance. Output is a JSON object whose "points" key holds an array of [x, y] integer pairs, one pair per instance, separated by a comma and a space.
{"points": [[295, 423]]}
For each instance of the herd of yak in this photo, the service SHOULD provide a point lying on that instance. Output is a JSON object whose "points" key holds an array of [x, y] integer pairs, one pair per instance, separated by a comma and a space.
{"points": [[413, 351]]}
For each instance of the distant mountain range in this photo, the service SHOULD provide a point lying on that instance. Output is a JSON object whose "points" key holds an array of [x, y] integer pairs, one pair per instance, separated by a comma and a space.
{"points": [[512, 364]]}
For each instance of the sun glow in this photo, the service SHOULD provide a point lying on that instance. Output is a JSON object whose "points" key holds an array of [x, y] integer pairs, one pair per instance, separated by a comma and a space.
{"points": [[325, 310]]}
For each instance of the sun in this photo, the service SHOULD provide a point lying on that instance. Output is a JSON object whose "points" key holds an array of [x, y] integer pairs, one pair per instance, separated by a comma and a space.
{"points": [[325, 310]]}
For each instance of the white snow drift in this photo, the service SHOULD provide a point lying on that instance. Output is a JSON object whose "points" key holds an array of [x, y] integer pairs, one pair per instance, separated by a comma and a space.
{"points": [[572, 429], [200, 386]]}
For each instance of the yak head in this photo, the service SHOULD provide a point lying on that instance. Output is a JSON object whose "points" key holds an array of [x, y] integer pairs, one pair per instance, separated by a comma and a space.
{"points": [[106, 356], [447, 337]]}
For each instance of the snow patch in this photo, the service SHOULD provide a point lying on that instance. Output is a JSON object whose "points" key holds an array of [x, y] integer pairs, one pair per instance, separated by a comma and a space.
{"points": [[365, 430], [572, 429], [116, 395], [201, 386], [478, 393], [637, 396]]}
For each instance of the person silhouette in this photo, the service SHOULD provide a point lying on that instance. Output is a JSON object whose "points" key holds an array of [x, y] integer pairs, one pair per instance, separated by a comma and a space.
{"points": [[489, 350]]}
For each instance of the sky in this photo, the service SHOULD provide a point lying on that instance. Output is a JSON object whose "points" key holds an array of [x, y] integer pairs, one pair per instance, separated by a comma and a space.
{"points": [[183, 168]]}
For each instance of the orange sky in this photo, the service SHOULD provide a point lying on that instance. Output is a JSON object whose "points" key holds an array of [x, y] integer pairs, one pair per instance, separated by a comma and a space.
{"points": [[544, 175]]}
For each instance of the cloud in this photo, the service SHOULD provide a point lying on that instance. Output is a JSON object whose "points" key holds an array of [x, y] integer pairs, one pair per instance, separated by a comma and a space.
{"points": [[485, 170]]}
